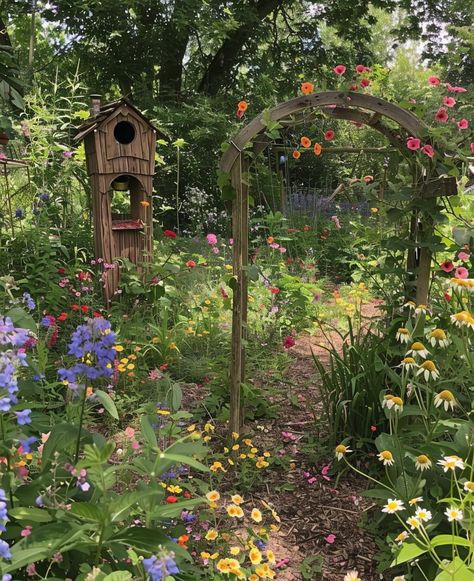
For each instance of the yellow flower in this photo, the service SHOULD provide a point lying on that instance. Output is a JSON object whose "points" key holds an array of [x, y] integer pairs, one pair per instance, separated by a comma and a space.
{"points": [[235, 511], [226, 537], [256, 515], [175, 489], [445, 398], [223, 566], [386, 457], [253, 577], [118, 348], [235, 435], [237, 499], [248, 442], [255, 556], [130, 366], [429, 370], [191, 428], [341, 451], [213, 496], [209, 428], [231, 462], [267, 454], [243, 456], [235, 447], [163, 412], [271, 556], [124, 360], [211, 535], [234, 550], [205, 555], [217, 466], [261, 463], [173, 345], [254, 450]]}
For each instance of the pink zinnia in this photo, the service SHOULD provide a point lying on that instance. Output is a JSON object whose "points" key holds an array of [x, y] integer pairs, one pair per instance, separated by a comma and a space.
{"points": [[459, 90], [428, 150], [365, 83], [289, 342], [447, 266], [330, 539], [129, 432], [361, 69], [339, 69], [449, 101], [463, 124], [211, 239], [433, 80], [441, 115], [461, 272], [215, 250], [413, 143], [329, 135], [464, 256]]}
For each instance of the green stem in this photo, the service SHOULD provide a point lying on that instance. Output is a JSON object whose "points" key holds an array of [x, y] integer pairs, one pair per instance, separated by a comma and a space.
{"points": [[81, 419]]}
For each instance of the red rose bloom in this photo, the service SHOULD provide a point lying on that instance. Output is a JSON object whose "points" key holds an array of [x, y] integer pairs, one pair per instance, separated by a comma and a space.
{"points": [[274, 290], [169, 234]]}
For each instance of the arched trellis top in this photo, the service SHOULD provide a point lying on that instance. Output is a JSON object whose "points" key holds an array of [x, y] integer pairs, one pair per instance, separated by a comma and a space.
{"points": [[349, 105]]}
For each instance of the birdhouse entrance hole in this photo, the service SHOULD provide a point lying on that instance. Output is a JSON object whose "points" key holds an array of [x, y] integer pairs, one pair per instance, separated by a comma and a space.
{"points": [[124, 132]]}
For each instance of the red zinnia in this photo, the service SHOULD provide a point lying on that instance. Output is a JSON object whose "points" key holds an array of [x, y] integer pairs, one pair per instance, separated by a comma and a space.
{"points": [[329, 135], [75, 307], [463, 124], [171, 499], [96, 314], [433, 80], [274, 290], [169, 234], [449, 101], [413, 143], [289, 342], [61, 270], [190, 264], [361, 69], [365, 82], [62, 317], [84, 308], [428, 150]]}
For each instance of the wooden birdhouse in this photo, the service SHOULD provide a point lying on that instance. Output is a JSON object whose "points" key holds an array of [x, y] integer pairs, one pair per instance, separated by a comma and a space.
{"points": [[120, 153]]}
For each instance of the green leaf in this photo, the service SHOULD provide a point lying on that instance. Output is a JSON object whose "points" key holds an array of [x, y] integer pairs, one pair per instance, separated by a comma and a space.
{"points": [[408, 552], [23, 557], [107, 402], [178, 459], [441, 540], [87, 511], [148, 432], [456, 570], [118, 576], [61, 437], [175, 509], [22, 319], [23, 513]]}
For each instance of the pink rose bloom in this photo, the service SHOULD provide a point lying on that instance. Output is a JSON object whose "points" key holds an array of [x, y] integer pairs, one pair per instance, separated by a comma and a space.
{"points": [[464, 256], [428, 150], [129, 432], [211, 239], [330, 539], [282, 249], [413, 143], [433, 80], [339, 69], [449, 101], [215, 250], [463, 124], [26, 532], [274, 245], [461, 272], [135, 445]]}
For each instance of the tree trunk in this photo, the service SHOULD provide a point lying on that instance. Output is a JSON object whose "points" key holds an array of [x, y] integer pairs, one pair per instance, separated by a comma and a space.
{"points": [[175, 41], [227, 57]]}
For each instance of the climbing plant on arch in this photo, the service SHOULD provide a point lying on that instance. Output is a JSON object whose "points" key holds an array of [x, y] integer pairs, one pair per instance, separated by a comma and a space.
{"points": [[392, 121]]}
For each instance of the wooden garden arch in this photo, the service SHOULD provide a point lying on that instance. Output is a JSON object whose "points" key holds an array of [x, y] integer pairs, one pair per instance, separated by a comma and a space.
{"points": [[349, 106]]}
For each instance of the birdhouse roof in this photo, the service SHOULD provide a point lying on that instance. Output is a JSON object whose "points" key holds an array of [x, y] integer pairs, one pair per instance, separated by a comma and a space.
{"points": [[105, 111]]}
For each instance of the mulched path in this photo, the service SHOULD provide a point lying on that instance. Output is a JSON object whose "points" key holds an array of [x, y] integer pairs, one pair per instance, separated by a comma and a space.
{"points": [[317, 507]]}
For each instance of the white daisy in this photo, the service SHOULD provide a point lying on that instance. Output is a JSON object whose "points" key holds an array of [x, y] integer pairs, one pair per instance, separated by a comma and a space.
{"points": [[438, 337], [451, 463], [403, 335], [352, 576], [341, 451], [393, 506], [386, 457], [454, 513], [428, 370], [423, 514], [445, 398], [403, 536], [418, 349]]}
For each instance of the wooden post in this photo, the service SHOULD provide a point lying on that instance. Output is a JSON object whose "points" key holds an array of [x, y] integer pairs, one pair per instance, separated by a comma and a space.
{"points": [[239, 302]]}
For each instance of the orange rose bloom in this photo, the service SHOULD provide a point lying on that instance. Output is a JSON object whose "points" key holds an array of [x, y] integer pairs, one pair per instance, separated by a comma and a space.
{"points": [[305, 141], [317, 149], [242, 106], [307, 88], [296, 154]]}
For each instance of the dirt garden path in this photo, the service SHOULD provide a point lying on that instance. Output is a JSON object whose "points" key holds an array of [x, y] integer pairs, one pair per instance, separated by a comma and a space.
{"points": [[320, 518]]}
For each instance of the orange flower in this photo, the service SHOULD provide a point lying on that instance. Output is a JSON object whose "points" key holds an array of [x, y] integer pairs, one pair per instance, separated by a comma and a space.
{"points": [[305, 141], [242, 106], [182, 540], [317, 149], [144, 203], [270, 240], [307, 88], [296, 154]]}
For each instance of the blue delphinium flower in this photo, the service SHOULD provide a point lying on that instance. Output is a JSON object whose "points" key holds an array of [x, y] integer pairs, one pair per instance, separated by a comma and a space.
{"points": [[9, 334], [4, 550], [159, 568], [44, 197], [45, 322], [26, 444], [92, 344], [19, 213], [29, 302], [23, 417], [3, 510]]}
